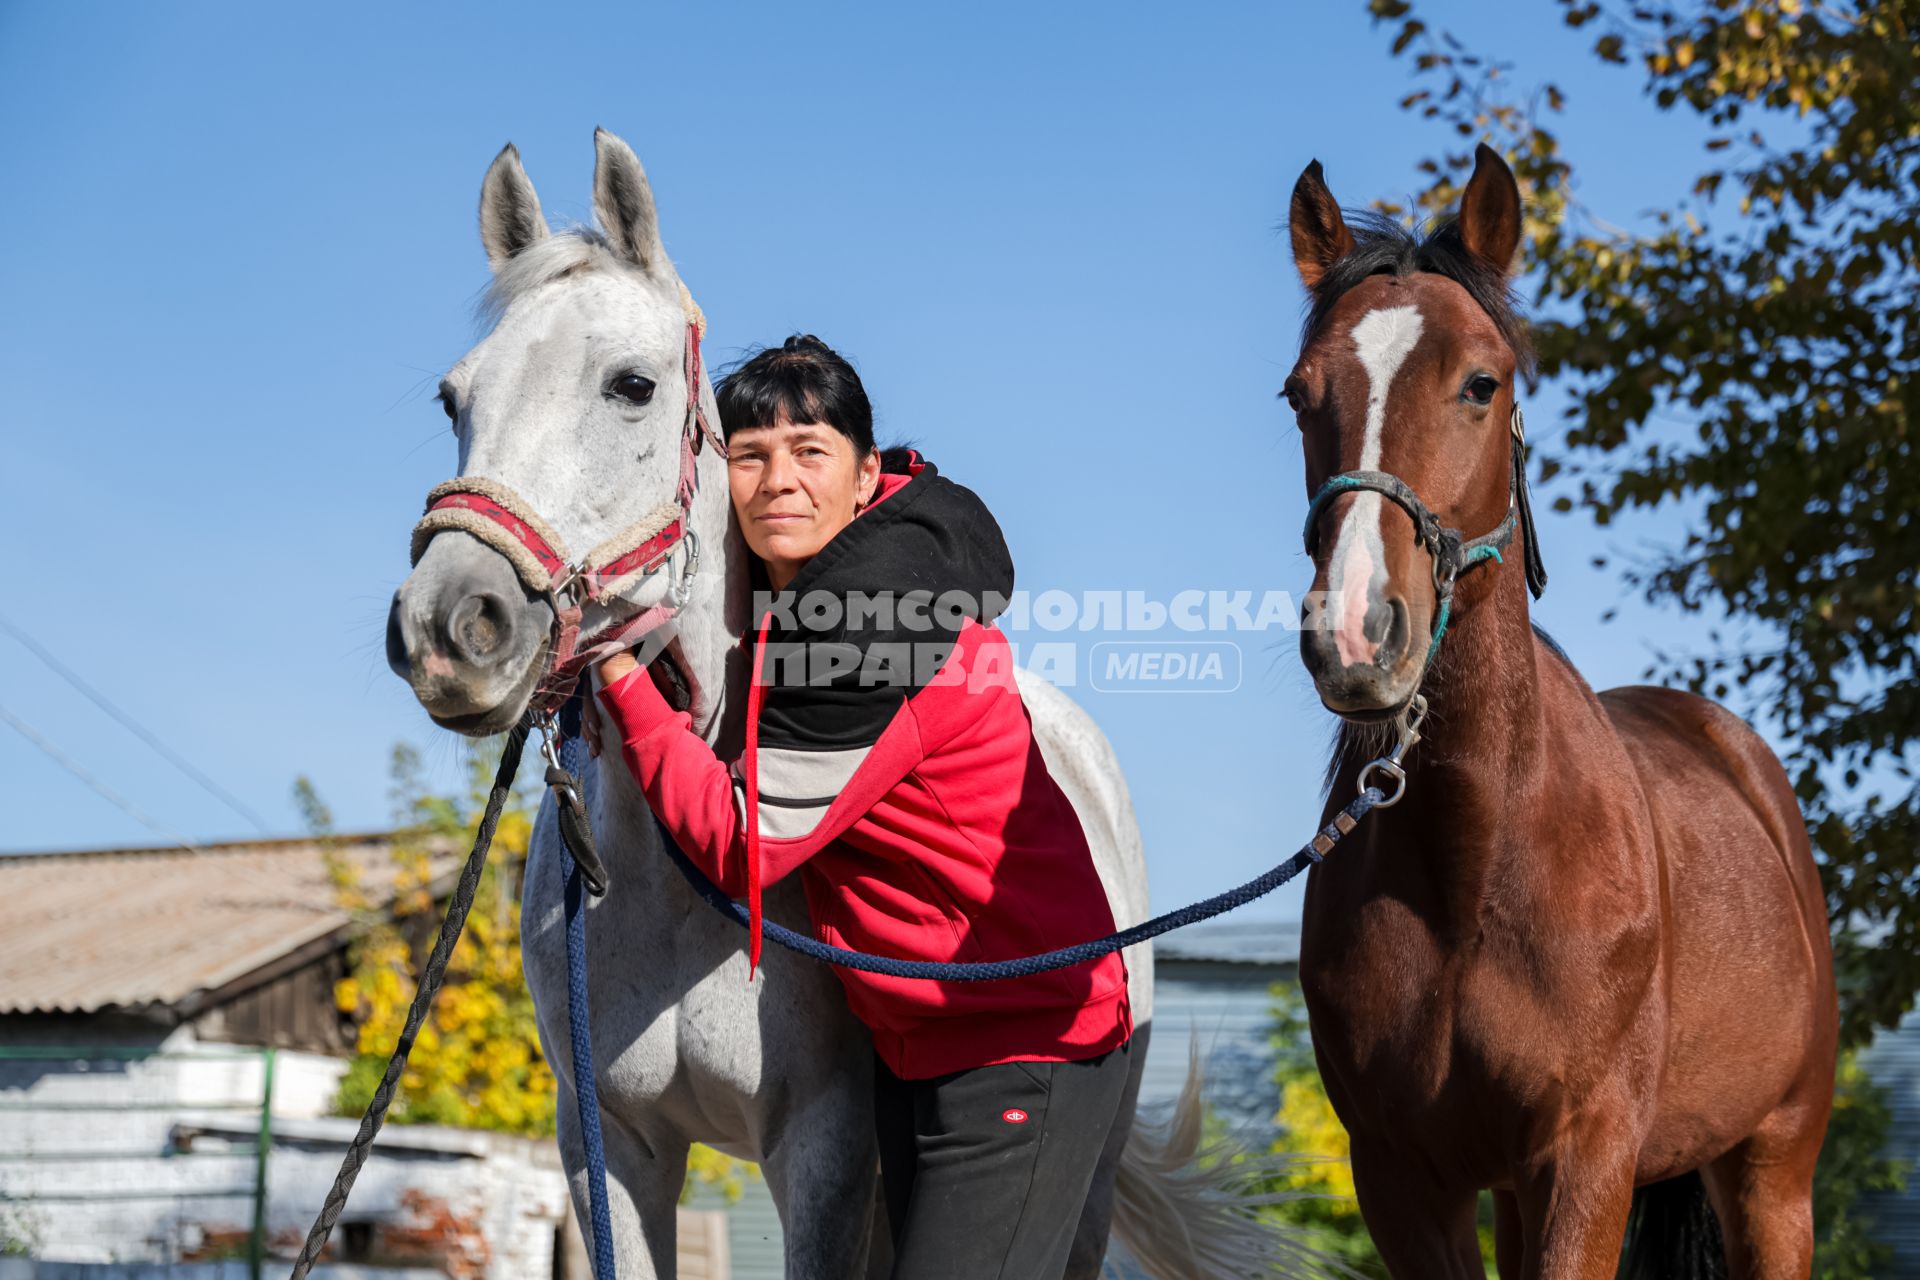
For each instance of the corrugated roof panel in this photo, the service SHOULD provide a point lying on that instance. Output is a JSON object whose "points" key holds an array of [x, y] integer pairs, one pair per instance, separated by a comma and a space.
{"points": [[133, 928]]}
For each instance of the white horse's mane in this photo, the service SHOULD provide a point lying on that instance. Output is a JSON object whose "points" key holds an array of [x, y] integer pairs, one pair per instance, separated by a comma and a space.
{"points": [[571, 251], [566, 252]]}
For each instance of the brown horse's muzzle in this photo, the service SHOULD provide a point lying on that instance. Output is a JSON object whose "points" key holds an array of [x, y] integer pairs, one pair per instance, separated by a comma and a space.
{"points": [[1371, 688]]}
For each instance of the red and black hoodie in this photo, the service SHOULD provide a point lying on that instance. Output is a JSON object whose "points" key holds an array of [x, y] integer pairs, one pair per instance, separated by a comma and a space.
{"points": [[890, 761]]}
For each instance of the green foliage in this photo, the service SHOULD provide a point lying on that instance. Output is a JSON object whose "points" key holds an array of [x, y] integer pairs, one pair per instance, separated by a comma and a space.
{"points": [[1853, 1162], [1753, 359], [19, 1233], [477, 1063]]}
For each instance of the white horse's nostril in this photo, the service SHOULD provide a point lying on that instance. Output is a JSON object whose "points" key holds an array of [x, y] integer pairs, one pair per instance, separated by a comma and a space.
{"points": [[397, 659], [478, 627]]}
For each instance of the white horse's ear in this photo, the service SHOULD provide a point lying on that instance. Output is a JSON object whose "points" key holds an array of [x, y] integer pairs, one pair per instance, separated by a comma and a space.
{"points": [[510, 217], [623, 202]]}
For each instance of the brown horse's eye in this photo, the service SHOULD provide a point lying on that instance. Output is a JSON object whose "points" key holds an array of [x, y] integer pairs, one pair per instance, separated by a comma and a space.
{"points": [[1295, 395], [632, 388], [1479, 389]]}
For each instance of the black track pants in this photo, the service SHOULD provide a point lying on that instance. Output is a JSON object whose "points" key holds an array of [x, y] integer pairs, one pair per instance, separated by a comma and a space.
{"points": [[986, 1170]]}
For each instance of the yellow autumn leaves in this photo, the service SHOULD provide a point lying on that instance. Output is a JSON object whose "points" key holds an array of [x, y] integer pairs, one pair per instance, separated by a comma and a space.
{"points": [[477, 1062]]}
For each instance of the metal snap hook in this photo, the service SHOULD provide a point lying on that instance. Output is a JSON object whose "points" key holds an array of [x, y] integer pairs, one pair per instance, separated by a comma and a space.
{"points": [[543, 724], [1392, 770], [1410, 720], [680, 586]]}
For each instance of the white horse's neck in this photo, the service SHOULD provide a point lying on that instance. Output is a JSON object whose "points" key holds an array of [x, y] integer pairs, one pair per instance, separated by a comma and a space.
{"points": [[711, 625]]}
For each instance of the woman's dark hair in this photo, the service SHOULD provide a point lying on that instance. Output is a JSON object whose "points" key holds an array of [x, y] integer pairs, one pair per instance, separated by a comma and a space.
{"points": [[804, 380]]}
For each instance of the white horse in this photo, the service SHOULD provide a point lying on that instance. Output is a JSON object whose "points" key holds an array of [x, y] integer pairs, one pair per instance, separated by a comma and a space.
{"points": [[775, 1070]]}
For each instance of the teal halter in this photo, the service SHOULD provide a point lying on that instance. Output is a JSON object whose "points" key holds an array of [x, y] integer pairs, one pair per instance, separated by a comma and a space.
{"points": [[1452, 551]]}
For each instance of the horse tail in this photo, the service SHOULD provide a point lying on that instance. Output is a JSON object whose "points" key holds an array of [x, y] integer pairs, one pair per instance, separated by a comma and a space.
{"points": [[1186, 1206], [1672, 1233]]}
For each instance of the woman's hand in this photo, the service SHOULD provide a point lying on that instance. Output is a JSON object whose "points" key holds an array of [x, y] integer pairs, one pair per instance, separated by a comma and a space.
{"points": [[614, 667]]}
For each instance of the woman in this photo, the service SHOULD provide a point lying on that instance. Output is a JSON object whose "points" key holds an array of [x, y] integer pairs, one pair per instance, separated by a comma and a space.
{"points": [[890, 761]]}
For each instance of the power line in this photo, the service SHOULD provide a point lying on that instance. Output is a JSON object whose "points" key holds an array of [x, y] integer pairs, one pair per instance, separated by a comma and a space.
{"points": [[100, 788], [133, 726]]}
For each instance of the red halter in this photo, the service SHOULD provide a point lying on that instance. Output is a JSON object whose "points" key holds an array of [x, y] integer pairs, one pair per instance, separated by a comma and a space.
{"points": [[499, 517]]}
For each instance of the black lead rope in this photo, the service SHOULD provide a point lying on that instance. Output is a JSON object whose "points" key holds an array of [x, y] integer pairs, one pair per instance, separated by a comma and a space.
{"points": [[431, 979]]}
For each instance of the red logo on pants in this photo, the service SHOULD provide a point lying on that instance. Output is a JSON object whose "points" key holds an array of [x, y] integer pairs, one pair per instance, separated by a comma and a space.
{"points": [[1014, 1115]]}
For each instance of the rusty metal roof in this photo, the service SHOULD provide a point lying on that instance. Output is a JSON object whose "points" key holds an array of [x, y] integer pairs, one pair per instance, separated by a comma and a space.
{"points": [[164, 929]]}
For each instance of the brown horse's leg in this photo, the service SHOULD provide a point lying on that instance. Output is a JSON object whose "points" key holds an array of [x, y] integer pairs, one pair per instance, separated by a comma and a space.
{"points": [[1422, 1232], [1575, 1214], [1509, 1242], [1762, 1189], [1762, 1192]]}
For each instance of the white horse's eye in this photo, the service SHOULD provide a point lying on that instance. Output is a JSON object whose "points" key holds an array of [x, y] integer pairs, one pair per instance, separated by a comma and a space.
{"points": [[632, 388]]}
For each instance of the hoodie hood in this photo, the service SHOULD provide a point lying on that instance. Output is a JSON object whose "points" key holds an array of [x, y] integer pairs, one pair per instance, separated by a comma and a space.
{"points": [[921, 533]]}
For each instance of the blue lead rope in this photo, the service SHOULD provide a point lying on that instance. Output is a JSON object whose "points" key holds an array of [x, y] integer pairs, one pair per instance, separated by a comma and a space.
{"points": [[586, 1095], [1064, 957]]}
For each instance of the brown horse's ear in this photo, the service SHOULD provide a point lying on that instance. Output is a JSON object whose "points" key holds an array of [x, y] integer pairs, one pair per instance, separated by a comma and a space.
{"points": [[1320, 235], [1490, 211]]}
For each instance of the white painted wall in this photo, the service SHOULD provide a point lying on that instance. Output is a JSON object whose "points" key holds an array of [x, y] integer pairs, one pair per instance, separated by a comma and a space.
{"points": [[89, 1180]]}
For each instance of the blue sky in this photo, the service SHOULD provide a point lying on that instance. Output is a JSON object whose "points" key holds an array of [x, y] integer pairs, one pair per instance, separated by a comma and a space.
{"points": [[241, 248]]}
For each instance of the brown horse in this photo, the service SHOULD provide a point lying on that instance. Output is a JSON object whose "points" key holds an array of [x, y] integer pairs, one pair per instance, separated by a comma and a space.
{"points": [[1588, 951]]}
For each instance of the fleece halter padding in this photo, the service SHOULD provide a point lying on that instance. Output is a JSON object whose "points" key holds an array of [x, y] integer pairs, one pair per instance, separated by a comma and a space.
{"points": [[501, 518]]}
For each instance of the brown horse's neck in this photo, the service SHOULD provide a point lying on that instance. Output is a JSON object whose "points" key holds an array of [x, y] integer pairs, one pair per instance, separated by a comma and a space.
{"points": [[1482, 754], [1483, 693]]}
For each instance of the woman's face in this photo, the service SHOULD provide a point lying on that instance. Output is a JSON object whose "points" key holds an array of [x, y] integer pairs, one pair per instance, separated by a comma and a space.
{"points": [[795, 485]]}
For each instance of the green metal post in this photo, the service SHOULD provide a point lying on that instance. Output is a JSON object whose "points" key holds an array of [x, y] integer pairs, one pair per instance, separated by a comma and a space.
{"points": [[257, 1249]]}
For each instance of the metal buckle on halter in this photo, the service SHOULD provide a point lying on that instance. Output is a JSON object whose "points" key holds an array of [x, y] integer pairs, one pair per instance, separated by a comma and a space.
{"points": [[568, 582], [1411, 719]]}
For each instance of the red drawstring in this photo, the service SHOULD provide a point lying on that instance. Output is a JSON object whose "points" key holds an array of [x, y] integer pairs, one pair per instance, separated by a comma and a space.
{"points": [[750, 769]]}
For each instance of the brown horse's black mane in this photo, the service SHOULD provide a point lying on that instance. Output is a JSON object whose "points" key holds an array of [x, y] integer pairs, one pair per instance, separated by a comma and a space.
{"points": [[1384, 246]]}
